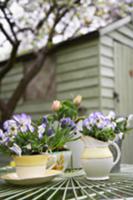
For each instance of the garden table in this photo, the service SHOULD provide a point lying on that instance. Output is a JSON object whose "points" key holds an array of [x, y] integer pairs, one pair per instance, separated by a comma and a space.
{"points": [[74, 186]]}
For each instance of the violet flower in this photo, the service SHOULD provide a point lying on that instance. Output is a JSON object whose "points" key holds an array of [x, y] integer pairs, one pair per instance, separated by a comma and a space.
{"points": [[50, 132], [24, 122], [67, 122], [41, 130], [44, 119], [11, 127], [16, 149], [87, 124]]}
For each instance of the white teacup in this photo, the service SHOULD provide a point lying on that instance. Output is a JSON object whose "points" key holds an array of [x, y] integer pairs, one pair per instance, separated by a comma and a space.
{"points": [[33, 165]]}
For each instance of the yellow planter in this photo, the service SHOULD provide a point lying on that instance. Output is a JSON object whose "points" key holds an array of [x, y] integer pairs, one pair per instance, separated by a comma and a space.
{"points": [[31, 166]]}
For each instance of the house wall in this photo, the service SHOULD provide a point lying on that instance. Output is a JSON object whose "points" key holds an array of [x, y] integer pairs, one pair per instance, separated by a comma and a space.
{"points": [[77, 73], [10, 82], [116, 63], [106, 73]]}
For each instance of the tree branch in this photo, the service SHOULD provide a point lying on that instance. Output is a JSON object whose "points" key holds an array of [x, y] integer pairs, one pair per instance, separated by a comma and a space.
{"points": [[3, 106], [39, 63], [11, 24], [57, 20], [43, 20], [10, 62], [6, 34]]}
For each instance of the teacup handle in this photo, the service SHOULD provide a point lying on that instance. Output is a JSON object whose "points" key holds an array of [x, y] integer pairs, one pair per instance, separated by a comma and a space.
{"points": [[52, 158], [118, 152]]}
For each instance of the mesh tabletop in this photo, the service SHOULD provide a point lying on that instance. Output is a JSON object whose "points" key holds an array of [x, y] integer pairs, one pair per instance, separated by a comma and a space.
{"points": [[72, 186]]}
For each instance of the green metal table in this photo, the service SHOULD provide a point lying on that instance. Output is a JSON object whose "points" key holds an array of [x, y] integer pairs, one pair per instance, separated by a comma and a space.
{"points": [[74, 186]]}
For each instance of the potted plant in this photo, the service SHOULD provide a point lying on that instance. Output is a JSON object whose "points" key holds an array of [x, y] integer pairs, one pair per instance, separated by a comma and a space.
{"points": [[63, 121], [98, 131], [23, 140]]}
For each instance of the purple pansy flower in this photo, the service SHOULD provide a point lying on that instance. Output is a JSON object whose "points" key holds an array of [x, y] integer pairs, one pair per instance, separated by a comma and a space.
{"points": [[50, 132], [97, 121], [24, 122], [16, 149], [67, 122], [44, 119], [87, 124], [111, 115], [11, 127], [41, 130], [5, 141]]}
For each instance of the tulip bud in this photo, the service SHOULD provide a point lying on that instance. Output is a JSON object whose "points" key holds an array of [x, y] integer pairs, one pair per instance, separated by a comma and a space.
{"points": [[56, 105], [77, 100]]}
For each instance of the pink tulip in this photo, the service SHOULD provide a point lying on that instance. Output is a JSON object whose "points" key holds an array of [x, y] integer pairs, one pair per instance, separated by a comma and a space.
{"points": [[56, 105]]}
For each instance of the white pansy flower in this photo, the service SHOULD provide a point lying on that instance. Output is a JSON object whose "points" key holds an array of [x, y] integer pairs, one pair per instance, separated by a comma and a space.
{"points": [[28, 146], [120, 119], [41, 130], [111, 115], [16, 149], [121, 135], [130, 121]]}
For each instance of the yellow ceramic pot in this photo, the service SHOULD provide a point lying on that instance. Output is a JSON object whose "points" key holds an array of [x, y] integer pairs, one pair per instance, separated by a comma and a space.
{"points": [[31, 165]]}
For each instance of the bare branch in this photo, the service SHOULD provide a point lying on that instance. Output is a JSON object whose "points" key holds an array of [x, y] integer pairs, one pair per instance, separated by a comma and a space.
{"points": [[10, 62], [6, 34], [57, 20], [25, 29], [11, 24], [43, 20]]}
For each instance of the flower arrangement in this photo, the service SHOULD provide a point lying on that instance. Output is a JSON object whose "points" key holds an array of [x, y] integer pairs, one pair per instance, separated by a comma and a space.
{"points": [[22, 136], [63, 121], [105, 127], [67, 108], [57, 132]]}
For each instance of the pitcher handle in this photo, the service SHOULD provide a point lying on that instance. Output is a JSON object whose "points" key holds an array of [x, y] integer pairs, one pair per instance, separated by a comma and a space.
{"points": [[118, 152]]}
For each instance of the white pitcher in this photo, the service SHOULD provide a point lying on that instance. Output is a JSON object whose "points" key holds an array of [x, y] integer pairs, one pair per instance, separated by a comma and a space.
{"points": [[97, 159]]}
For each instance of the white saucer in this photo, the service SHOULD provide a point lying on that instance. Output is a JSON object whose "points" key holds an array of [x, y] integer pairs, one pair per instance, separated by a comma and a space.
{"points": [[98, 178], [14, 179]]}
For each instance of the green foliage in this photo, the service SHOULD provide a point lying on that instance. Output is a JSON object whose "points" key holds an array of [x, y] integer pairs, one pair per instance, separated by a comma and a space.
{"points": [[103, 134], [105, 127], [68, 109]]}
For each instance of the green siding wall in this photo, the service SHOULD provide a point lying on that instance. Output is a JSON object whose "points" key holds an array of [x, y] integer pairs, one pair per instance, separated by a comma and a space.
{"points": [[10, 82], [106, 65], [78, 73]]}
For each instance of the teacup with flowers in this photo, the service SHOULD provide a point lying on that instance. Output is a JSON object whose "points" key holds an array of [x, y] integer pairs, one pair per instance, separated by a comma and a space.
{"points": [[32, 143], [24, 140]]}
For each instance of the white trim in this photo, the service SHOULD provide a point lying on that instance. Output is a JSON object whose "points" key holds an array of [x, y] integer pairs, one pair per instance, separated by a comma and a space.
{"points": [[115, 25]]}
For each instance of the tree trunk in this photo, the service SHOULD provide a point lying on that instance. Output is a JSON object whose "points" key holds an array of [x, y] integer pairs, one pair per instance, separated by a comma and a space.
{"points": [[8, 109]]}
